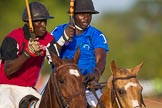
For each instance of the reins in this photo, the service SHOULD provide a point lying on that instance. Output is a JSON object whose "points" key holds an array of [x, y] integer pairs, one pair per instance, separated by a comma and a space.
{"points": [[114, 91], [68, 64], [61, 100], [93, 87]]}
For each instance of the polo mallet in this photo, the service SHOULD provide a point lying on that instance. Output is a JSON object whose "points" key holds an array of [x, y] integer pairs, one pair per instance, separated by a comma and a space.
{"points": [[72, 22], [33, 36], [72, 12], [30, 20]]}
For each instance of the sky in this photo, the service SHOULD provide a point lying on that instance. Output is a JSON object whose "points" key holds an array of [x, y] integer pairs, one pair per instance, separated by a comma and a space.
{"points": [[113, 5]]}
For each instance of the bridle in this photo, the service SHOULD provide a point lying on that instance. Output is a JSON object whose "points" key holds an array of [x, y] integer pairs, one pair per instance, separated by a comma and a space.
{"points": [[64, 102], [114, 95]]}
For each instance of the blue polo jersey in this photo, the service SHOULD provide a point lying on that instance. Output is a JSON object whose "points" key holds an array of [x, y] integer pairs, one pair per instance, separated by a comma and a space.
{"points": [[90, 39]]}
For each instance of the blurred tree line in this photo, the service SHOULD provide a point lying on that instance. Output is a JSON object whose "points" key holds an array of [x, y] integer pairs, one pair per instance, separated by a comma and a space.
{"points": [[134, 36], [11, 14]]}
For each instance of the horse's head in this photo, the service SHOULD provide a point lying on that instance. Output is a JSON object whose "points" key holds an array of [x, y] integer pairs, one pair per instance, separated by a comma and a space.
{"points": [[126, 89], [123, 90], [66, 82]]}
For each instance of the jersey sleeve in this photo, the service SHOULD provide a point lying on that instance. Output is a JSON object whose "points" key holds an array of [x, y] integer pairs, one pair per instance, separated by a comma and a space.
{"points": [[58, 31], [9, 49], [100, 40]]}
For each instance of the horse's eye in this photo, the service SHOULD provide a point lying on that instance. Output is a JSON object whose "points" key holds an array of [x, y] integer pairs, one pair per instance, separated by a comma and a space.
{"points": [[121, 91], [61, 80]]}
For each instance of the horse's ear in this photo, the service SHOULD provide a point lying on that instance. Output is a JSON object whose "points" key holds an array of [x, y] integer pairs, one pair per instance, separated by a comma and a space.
{"points": [[76, 55], [113, 67], [137, 68], [55, 59]]}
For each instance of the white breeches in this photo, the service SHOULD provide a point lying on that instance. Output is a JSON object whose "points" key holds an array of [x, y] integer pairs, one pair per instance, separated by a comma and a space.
{"points": [[10, 95], [91, 99]]}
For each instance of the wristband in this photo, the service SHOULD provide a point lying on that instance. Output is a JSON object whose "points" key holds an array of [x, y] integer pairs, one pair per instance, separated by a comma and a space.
{"points": [[61, 41]]}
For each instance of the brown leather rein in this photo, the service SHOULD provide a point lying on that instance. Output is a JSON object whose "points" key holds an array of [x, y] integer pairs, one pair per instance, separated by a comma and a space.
{"points": [[64, 103], [114, 95]]}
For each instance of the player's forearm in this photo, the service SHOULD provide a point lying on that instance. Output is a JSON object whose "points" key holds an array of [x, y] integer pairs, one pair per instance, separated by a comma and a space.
{"points": [[11, 66], [100, 60]]}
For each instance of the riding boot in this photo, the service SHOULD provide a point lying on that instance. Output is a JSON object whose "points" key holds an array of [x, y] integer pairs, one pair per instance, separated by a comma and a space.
{"points": [[27, 100]]}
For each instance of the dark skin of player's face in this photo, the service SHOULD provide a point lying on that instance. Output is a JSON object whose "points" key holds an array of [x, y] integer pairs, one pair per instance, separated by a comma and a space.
{"points": [[83, 19], [40, 28]]}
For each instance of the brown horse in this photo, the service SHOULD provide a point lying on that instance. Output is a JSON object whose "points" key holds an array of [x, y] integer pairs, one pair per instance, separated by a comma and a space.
{"points": [[64, 88], [122, 90]]}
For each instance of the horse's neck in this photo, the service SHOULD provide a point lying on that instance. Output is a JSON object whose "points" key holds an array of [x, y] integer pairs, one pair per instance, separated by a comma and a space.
{"points": [[106, 96], [49, 97]]}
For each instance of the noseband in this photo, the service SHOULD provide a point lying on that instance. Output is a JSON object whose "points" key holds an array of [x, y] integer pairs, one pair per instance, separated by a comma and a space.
{"points": [[114, 95], [64, 103]]}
